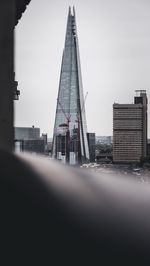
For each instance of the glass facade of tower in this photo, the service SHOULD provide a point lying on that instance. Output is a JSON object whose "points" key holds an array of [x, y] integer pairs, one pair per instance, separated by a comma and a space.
{"points": [[70, 129]]}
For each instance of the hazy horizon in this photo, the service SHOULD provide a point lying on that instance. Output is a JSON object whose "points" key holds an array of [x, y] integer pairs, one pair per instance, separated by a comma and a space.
{"points": [[114, 43]]}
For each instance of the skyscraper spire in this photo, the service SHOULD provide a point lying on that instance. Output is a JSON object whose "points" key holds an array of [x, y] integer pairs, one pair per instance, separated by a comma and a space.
{"points": [[69, 13], [70, 132]]}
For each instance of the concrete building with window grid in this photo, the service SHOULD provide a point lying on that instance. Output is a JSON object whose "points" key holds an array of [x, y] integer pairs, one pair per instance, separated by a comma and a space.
{"points": [[130, 130]]}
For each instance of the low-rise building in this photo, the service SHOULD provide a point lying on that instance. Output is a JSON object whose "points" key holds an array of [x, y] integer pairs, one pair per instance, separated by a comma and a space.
{"points": [[28, 139], [91, 142], [27, 133], [148, 148], [104, 140]]}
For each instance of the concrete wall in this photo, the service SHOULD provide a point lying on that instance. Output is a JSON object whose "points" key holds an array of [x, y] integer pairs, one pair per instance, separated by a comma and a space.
{"points": [[7, 16]]}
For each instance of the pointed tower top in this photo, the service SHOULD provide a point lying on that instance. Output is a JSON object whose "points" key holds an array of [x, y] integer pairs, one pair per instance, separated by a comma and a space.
{"points": [[74, 11], [69, 12]]}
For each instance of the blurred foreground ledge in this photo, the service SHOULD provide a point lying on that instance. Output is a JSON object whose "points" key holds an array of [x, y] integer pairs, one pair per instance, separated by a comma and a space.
{"points": [[54, 212]]}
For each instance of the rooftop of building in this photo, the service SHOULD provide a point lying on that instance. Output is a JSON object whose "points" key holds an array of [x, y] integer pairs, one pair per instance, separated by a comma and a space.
{"points": [[127, 105], [33, 127]]}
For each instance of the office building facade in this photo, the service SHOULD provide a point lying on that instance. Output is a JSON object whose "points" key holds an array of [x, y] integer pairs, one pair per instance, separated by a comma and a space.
{"points": [[130, 130]]}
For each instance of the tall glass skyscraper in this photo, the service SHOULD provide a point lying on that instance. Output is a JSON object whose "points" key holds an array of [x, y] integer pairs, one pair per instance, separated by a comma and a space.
{"points": [[70, 143]]}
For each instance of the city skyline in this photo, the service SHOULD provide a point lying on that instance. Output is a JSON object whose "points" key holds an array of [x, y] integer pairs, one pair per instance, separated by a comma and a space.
{"points": [[115, 59]]}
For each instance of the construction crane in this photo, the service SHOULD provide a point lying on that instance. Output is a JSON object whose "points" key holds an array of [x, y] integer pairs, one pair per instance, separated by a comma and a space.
{"points": [[68, 119], [71, 144]]}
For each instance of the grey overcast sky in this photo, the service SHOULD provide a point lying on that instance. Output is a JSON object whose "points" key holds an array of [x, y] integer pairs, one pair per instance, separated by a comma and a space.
{"points": [[114, 42]]}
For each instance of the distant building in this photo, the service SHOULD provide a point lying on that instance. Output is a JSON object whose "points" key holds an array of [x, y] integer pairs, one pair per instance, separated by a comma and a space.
{"points": [[91, 143], [27, 133], [104, 140], [148, 147], [44, 136], [130, 130], [70, 143], [33, 146], [28, 139]]}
